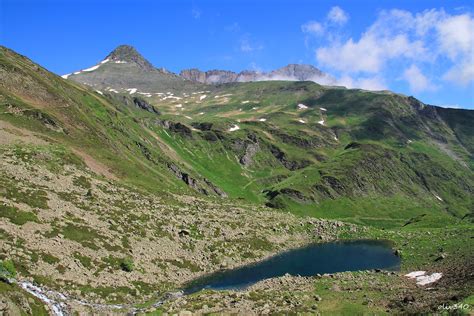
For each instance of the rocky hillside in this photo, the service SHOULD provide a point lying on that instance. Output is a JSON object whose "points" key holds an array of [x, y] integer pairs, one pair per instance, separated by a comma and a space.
{"points": [[123, 180], [372, 158], [291, 72]]}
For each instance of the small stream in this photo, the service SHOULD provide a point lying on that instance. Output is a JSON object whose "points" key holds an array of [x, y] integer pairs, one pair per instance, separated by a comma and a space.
{"points": [[310, 260]]}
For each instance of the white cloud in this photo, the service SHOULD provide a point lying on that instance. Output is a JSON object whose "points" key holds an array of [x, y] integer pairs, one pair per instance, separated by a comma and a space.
{"points": [[456, 40], [431, 39], [196, 13], [417, 81], [456, 35], [335, 18], [337, 15], [369, 54], [450, 106], [313, 27], [372, 51], [375, 83], [247, 47], [234, 27], [461, 74]]}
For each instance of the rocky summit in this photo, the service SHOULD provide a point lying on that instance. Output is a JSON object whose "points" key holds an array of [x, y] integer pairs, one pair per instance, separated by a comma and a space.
{"points": [[122, 184], [128, 54]]}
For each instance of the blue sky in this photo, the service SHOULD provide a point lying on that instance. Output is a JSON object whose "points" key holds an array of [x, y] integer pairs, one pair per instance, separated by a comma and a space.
{"points": [[420, 48]]}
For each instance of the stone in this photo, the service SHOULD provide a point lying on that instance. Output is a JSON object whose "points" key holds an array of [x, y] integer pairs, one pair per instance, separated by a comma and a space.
{"points": [[184, 232], [408, 299]]}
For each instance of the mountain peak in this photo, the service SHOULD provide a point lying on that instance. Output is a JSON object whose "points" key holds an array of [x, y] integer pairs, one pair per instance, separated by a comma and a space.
{"points": [[127, 53]]}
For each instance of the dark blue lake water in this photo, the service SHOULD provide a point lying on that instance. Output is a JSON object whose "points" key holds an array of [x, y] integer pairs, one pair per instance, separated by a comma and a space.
{"points": [[307, 261]]}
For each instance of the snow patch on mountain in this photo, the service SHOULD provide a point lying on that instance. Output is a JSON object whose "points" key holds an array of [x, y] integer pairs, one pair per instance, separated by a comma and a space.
{"points": [[302, 106], [234, 128], [91, 68]]}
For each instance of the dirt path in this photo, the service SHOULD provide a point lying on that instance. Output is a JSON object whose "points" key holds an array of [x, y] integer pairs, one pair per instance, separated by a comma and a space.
{"points": [[95, 165]]}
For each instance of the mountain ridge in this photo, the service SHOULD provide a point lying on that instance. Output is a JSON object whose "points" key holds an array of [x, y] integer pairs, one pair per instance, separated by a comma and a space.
{"points": [[290, 72], [124, 54]]}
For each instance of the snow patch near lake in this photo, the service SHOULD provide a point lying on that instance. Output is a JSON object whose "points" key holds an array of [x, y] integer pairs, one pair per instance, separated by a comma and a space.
{"points": [[415, 274], [99, 92], [321, 122], [427, 279], [65, 76], [437, 196], [202, 97], [322, 109], [262, 119], [301, 121], [422, 278], [132, 90]]}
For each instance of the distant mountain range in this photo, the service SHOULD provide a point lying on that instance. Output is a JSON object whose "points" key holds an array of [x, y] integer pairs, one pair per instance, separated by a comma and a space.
{"points": [[291, 72], [125, 66]]}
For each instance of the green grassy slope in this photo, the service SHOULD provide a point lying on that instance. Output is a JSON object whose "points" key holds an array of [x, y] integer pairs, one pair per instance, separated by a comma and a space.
{"points": [[379, 158], [75, 117], [369, 157]]}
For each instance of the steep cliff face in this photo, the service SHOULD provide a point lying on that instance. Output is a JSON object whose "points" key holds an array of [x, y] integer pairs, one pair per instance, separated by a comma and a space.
{"points": [[194, 74], [210, 76]]}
